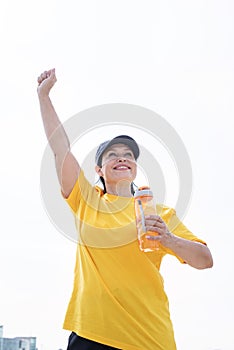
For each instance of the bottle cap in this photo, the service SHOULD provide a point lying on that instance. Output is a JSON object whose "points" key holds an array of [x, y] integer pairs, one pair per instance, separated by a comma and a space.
{"points": [[143, 191], [144, 188]]}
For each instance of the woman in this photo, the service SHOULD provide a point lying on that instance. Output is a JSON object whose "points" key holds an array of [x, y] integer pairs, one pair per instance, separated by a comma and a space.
{"points": [[118, 298]]}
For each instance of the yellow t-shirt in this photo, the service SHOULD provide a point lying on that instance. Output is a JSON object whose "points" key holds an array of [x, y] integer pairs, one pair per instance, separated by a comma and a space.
{"points": [[118, 296]]}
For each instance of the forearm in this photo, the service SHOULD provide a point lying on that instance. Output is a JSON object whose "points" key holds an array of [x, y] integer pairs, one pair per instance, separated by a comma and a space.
{"points": [[54, 130], [193, 253]]}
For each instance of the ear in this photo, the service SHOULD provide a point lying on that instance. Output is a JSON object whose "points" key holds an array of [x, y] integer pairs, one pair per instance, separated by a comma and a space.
{"points": [[98, 170]]}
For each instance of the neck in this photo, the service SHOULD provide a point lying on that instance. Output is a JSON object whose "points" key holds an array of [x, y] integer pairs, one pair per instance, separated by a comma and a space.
{"points": [[122, 189]]}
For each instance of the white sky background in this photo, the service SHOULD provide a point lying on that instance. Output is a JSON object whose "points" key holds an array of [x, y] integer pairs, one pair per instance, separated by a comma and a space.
{"points": [[175, 58]]}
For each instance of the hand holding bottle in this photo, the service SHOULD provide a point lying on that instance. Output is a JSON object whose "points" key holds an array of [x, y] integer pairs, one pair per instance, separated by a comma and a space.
{"points": [[154, 223]]}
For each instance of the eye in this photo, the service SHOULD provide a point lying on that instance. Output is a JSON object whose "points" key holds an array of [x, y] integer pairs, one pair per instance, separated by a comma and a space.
{"points": [[128, 155], [112, 154]]}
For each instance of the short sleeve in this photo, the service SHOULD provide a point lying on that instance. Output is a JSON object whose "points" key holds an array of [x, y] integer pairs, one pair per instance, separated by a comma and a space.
{"points": [[81, 190]]}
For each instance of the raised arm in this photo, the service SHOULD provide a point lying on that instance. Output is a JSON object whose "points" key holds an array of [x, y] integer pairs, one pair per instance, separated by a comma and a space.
{"points": [[67, 166]]}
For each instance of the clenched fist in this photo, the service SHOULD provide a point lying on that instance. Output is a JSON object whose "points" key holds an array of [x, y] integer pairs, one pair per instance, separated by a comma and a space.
{"points": [[46, 81]]}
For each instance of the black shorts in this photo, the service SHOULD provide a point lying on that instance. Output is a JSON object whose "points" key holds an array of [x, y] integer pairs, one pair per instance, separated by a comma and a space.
{"points": [[75, 342]]}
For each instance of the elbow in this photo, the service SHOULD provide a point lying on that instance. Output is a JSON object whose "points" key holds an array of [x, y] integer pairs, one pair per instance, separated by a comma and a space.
{"points": [[204, 259], [207, 261], [206, 265]]}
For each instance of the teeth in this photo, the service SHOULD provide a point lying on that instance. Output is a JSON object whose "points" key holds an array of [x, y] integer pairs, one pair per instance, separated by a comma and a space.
{"points": [[121, 167]]}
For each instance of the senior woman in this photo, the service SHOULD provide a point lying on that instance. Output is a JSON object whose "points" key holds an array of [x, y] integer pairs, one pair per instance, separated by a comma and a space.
{"points": [[118, 299]]}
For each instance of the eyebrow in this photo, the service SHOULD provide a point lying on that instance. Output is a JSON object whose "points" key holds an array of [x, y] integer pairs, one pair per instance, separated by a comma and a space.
{"points": [[112, 148]]}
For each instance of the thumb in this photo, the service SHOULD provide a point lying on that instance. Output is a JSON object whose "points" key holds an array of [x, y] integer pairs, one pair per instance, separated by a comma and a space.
{"points": [[51, 74]]}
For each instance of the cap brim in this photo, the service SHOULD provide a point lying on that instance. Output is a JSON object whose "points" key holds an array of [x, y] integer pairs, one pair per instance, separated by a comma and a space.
{"points": [[123, 139]]}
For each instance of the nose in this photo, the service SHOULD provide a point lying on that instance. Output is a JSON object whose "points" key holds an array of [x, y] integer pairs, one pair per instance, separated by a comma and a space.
{"points": [[121, 159]]}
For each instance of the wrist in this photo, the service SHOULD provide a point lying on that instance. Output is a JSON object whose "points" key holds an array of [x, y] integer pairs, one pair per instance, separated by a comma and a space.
{"points": [[42, 95], [168, 240]]}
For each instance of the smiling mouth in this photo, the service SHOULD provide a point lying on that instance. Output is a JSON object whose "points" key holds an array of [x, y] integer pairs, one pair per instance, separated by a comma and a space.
{"points": [[122, 167]]}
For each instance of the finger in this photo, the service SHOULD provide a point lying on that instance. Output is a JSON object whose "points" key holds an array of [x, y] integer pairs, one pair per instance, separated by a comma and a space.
{"points": [[48, 73], [160, 225], [155, 223], [159, 229], [44, 75], [52, 75], [41, 78], [51, 72], [153, 238], [152, 228], [153, 217]]}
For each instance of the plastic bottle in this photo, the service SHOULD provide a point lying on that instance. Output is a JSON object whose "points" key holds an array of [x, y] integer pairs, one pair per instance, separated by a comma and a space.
{"points": [[144, 205]]}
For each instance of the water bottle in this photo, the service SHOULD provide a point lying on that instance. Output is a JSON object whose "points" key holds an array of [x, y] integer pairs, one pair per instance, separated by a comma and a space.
{"points": [[144, 205]]}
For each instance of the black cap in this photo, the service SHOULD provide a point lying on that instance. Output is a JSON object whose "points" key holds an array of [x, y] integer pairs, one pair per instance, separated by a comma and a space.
{"points": [[125, 139]]}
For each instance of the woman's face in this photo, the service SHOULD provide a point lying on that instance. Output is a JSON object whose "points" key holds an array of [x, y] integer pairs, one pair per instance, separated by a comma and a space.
{"points": [[118, 163]]}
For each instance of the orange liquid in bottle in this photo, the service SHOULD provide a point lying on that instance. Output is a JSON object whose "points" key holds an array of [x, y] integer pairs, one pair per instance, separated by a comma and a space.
{"points": [[144, 205]]}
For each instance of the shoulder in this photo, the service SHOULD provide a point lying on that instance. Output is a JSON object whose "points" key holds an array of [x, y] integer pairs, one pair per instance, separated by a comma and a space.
{"points": [[165, 211]]}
